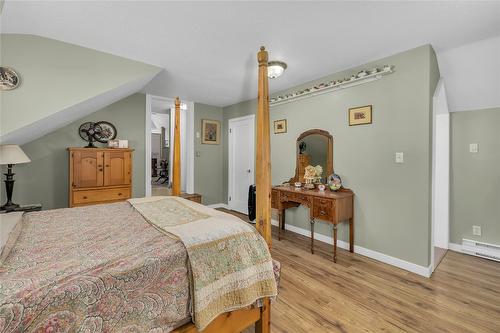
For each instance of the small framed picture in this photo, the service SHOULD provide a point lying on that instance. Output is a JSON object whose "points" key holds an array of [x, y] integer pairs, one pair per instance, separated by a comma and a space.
{"points": [[113, 143], [210, 132], [122, 143], [280, 126], [361, 115]]}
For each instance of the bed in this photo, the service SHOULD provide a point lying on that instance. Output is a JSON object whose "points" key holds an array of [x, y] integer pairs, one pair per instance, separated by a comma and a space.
{"points": [[117, 268]]}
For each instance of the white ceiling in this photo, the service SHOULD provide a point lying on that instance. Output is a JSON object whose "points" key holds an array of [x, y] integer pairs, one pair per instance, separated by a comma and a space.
{"points": [[208, 49]]}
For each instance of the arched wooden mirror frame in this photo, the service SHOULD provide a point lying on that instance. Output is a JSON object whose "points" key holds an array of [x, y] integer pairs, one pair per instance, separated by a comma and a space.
{"points": [[329, 157]]}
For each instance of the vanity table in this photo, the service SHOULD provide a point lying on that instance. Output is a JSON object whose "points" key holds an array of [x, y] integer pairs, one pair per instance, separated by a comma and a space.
{"points": [[329, 206]]}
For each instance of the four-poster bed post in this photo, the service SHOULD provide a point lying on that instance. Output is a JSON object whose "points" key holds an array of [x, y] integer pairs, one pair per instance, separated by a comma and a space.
{"points": [[238, 320], [176, 168], [263, 176], [263, 159]]}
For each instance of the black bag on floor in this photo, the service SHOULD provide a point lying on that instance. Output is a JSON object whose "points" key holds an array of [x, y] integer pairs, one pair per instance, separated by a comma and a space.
{"points": [[251, 202]]}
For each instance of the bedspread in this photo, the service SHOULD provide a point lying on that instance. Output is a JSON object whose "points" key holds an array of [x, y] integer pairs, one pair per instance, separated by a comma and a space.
{"points": [[230, 262], [99, 268]]}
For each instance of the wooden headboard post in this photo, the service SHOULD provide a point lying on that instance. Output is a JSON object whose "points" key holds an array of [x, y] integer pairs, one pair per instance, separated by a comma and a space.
{"points": [[263, 176], [176, 168]]}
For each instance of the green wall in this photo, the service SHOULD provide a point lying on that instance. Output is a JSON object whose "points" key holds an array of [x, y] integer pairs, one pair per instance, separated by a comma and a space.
{"points": [[57, 75], [392, 203], [475, 177], [45, 179], [208, 171]]}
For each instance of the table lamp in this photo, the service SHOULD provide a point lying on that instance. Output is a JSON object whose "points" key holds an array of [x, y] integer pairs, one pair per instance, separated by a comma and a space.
{"points": [[10, 155]]}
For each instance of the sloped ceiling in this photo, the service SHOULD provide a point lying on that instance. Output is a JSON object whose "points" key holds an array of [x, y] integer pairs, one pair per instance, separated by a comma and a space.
{"points": [[61, 83], [472, 75]]}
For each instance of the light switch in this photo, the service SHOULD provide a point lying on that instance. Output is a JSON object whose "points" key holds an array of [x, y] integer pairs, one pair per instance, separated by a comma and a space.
{"points": [[399, 157], [473, 148], [476, 230], [197, 135], [198, 154]]}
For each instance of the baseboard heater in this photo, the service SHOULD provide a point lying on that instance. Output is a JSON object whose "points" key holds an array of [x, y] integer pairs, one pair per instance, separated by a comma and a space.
{"points": [[480, 249]]}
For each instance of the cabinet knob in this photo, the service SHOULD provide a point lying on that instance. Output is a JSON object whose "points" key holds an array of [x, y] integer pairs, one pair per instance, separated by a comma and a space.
{"points": [[84, 197], [107, 165], [322, 212], [119, 194]]}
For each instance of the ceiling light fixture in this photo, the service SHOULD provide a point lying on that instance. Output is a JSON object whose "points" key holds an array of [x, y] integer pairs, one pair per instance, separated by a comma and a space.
{"points": [[275, 69]]}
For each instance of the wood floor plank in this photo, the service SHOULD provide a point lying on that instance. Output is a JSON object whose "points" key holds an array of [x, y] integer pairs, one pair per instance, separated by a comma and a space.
{"points": [[359, 294]]}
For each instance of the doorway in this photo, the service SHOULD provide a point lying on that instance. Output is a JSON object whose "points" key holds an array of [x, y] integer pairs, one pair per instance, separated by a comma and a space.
{"points": [[241, 161], [160, 150], [440, 176], [160, 114]]}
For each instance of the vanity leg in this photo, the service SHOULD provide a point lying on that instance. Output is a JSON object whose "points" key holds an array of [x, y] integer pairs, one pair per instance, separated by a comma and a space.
{"points": [[279, 224], [282, 219], [351, 234], [335, 243], [312, 236]]}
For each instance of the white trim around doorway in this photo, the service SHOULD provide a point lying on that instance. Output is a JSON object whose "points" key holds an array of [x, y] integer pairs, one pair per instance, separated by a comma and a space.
{"points": [[189, 142]]}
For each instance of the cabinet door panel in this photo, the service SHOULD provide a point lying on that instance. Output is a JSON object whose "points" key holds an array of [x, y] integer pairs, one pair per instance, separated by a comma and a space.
{"points": [[117, 168], [87, 168]]}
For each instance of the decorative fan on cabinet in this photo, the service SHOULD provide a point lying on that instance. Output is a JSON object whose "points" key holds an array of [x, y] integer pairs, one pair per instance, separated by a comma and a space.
{"points": [[101, 131]]}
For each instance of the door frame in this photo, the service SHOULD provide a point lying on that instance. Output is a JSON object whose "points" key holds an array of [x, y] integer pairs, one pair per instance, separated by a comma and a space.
{"points": [[230, 149], [440, 191], [189, 141]]}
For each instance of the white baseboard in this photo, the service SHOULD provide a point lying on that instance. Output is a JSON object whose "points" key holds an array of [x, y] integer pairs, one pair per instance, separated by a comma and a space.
{"points": [[406, 265], [455, 247], [219, 205]]}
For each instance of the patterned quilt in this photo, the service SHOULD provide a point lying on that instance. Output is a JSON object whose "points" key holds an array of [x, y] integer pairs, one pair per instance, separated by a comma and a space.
{"points": [[99, 268], [93, 269], [230, 263]]}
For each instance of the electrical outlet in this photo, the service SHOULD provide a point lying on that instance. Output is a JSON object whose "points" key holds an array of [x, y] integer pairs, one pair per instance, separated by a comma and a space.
{"points": [[476, 230], [473, 148], [399, 157]]}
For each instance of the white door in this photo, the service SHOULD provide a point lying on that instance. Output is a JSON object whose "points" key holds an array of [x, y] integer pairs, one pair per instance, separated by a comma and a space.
{"points": [[241, 161]]}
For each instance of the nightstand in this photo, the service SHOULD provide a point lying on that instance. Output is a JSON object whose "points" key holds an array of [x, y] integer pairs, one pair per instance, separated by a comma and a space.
{"points": [[24, 208], [192, 197]]}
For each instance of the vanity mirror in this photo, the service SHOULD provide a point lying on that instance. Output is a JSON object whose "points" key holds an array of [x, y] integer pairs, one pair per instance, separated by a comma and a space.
{"points": [[313, 147]]}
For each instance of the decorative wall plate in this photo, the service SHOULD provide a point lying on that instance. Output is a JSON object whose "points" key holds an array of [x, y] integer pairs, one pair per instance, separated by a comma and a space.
{"points": [[108, 131], [8, 79]]}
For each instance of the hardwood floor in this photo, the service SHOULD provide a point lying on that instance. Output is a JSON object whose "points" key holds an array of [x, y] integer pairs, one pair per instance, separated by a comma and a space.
{"points": [[362, 295], [159, 188]]}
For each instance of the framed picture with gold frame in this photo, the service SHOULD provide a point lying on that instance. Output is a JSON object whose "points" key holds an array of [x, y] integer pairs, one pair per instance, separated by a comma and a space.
{"points": [[280, 126], [361, 115], [210, 132]]}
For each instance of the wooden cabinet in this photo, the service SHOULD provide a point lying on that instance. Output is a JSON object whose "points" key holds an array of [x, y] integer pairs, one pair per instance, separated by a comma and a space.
{"points": [[99, 175]]}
